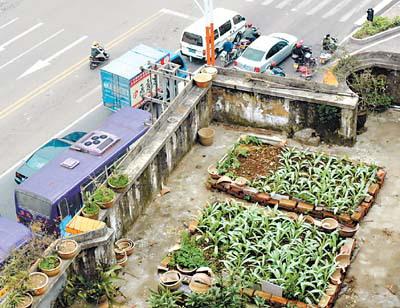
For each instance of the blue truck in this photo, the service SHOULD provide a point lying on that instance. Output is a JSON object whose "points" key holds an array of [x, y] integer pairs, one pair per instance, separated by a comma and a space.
{"points": [[124, 83]]}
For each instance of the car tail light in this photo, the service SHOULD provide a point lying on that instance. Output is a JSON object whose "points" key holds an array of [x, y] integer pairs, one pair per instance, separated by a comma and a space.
{"points": [[257, 69], [204, 52], [235, 63]]}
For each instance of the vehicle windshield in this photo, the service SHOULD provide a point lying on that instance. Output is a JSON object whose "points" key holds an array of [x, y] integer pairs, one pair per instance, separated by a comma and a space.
{"points": [[253, 54], [37, 162], [192, 39]]}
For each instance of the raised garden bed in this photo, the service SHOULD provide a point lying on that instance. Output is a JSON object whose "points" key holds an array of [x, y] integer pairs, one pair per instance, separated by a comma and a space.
{"points": [[298, 180], [252, 244]]}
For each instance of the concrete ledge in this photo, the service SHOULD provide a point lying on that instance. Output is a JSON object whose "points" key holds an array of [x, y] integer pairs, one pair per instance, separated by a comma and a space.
{"points": [[376, 37]]}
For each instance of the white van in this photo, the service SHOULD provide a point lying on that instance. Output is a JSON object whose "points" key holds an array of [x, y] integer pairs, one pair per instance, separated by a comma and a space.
{"points": [[227, 24]]}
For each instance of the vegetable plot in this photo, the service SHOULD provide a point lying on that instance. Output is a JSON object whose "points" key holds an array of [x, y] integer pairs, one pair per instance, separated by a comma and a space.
{"points": [[253, 244], [337, 184]]}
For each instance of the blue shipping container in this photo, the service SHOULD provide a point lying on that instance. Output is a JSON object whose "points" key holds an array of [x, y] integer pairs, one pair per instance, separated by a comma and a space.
{"points": [[123, 82]]}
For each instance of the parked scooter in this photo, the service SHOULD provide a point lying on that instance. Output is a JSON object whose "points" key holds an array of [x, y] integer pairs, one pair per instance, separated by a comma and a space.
{"points": [[228, 58]]}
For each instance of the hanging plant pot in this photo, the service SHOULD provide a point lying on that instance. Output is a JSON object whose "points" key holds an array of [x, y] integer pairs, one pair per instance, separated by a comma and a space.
{"points": [[91, 210], [171, 280], [38, 282], [50, 265], [67, 249], [104, 197], [125, 244], [26, 301], [118, 182]]}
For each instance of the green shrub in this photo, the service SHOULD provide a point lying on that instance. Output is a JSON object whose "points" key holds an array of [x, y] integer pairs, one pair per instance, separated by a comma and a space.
{"points": [[189, 255], [380, 24]]}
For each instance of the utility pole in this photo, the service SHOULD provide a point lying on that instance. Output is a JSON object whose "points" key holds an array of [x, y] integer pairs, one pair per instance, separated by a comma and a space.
{"points": [[210, 47]]}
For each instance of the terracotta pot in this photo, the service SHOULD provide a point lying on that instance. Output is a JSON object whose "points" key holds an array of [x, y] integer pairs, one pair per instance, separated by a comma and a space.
{"points": [[224, 179], [329, 224], [67, 249], [103, 302], [185, 271], [107, 205], [119, 253], [54, 271], [171, 280], [91, 216], [26, 301], [126, 245], [202, 80], [292, 215], [123, 261], [212, 171], [241, 181], [348, 231], [38, 283], [210, 70], [336, 277], [200, 283], [342, 261], [206, 136], [118, 189], [309, 219]]}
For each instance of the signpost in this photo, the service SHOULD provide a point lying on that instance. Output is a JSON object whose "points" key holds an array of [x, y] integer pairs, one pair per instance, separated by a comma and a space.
{"points": [[210, 47]]}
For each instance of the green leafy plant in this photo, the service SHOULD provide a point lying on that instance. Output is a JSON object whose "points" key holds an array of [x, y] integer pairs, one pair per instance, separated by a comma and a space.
{"points": [[103, 194], [328, 114], [164, 298], [49, 263], [91, 208], [250, 139], [118, 180], [380, 24], [91, 289], [189, 255]]}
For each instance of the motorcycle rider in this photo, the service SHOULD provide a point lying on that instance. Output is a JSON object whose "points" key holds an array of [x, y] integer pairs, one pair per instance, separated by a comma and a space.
{"points": [[98, 53], [228, 48], [329, 43], [250, 33], [276, 70], [299, 51]]}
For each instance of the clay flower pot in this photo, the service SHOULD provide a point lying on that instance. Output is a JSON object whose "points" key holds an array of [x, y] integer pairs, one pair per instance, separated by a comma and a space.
{"points": [[329, 224], [292, 215], [171, 280], [91, 211], [348, 231], [309, 219], [123, 261], [38, 283], [200, 283], [26, 301], [126, 245], [202, 80], [342, 261], [104, 197], [185, 271], [224, 179], [119, 253], [241, 181], [67, 249], [212, 171], [336, 277], [118, 182], [206, 136], [50, 265]]}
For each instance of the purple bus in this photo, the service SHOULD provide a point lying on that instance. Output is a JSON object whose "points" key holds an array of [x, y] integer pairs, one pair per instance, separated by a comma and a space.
{"points": [[53, 195]]}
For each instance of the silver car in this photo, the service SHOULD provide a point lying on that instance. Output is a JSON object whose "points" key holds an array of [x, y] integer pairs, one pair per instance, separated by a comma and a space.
{"points": [[264, 50]]}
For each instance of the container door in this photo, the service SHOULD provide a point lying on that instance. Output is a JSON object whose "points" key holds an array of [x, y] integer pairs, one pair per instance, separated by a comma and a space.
{"points": [[109, 99]]}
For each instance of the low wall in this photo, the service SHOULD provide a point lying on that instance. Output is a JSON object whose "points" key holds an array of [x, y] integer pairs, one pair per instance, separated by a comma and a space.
{"points": [[285, 104]]}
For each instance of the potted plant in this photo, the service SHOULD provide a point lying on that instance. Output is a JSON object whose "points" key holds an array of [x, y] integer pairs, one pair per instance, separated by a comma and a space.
{"points": [[67, 249], [104, 197], [50, 265], [91, 210], [118, 181], [38, 282], [126, 245]]}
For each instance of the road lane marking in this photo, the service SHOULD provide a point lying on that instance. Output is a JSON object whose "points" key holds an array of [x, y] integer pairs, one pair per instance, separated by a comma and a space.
{"points": [[337, 8], [282, 4], [32, 48], [8, 23], [59, 134], [374, 44], [91, 92], [301, 5], [318, 7], [355, 9], [46, 62], [175, 13], [2, 47], [55, 80]]}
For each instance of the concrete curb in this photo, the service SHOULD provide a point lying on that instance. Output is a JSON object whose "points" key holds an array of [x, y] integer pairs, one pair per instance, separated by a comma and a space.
{"points": [[374, 38]]}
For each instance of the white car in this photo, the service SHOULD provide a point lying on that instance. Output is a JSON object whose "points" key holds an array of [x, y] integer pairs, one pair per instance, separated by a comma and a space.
{"points": [[264, 50]]}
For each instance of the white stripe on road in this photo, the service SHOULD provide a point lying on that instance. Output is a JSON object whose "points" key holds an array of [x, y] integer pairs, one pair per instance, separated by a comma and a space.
{"points": [[338, 7], [9, 23], [355, 9], [20, 35], [83, 97], [178, 14], [282, 4], [55, 136], [374, 44], [318, 7], [267, 2], [66, 48], [32, 48], [301, 5]]}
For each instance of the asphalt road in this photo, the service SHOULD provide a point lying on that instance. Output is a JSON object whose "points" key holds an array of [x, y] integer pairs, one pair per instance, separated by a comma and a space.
{"points": [[45, 81]]}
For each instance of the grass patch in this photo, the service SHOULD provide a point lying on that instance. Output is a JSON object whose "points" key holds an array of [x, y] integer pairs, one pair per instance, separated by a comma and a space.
{"points": [[380, 24]]}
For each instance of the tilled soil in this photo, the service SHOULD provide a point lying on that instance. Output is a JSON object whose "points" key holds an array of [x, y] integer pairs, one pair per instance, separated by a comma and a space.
{"points": [[260, 161]]}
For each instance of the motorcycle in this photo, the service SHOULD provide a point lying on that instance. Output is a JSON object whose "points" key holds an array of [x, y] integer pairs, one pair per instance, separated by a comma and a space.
{"points": [[96, 62], [227, 59], [251, 33]]}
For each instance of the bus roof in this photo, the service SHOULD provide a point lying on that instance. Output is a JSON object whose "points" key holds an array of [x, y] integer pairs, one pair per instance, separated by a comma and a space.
{"points": [[128, 65], [53, 181], [220, 16]]}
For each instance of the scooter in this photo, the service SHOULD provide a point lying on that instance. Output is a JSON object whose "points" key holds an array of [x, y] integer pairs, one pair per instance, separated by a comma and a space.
{"points": [[96, 62], [227, 59], [328, 52]]}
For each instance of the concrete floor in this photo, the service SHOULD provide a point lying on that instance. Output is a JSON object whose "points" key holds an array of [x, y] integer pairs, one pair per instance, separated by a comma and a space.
{"points": [[373, 279]]}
